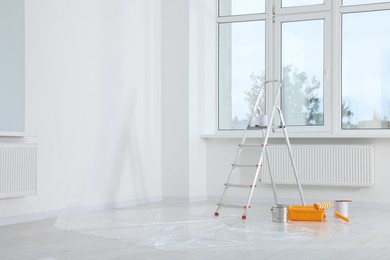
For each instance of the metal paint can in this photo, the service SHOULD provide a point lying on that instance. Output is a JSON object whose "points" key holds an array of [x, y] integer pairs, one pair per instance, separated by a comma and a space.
{"points": [[279, 213]]}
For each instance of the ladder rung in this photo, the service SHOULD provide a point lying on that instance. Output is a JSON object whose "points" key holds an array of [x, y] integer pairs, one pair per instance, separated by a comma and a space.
{"points": [[238, 185], [245, 165], [231, 205]]}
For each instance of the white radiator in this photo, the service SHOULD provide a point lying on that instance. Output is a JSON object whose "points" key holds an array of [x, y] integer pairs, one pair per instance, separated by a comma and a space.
{"points": [[335, 165], [18, 170]]}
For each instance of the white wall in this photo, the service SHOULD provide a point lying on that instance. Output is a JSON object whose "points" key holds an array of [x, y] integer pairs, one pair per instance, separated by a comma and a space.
{"points": [[183, 69], [92, 103], [175, 94], [201, 69]]}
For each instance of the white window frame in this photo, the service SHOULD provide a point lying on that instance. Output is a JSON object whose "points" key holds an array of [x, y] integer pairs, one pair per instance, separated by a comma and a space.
{"points": [[232, 19], [301, 9], [331, 11], [325, 16], [338, 11]]}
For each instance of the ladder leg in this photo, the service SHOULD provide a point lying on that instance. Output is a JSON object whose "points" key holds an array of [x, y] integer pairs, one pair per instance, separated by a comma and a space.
{"points": [[265, 143], [270, 172], [271, 178], [255, 108], [291, 156], [259, 165], [248, 202], [216, 213]]}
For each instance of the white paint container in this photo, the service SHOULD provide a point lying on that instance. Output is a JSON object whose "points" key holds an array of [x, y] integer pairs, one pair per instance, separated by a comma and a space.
{"points": [[341, 207], [262, 120]]}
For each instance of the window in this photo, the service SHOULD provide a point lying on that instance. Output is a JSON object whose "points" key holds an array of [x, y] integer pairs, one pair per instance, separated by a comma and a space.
{"points": [[302, 72], [366, 74], [331, 84], [242, 62], [12, 87]]}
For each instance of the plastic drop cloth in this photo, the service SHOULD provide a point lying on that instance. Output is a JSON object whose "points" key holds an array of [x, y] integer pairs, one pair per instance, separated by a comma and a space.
{"points": [[168, 226]]}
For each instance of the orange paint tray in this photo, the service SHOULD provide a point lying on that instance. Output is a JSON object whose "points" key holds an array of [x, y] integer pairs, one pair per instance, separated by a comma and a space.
{"points": [[306, 213]]}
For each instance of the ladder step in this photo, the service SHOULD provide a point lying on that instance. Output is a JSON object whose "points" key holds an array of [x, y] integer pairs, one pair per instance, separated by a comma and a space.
{"points": [[264, 127], [238, 185], [250, 145], [245, 165], [256, 127], [232, 205]]}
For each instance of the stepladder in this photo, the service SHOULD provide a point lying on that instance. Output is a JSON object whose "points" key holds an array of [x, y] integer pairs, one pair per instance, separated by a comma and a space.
{"points": [[258, 121]]}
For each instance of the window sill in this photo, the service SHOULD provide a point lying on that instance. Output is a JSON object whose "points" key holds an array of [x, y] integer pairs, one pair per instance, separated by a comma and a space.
{"points": [[369, 134], [12, 134]]}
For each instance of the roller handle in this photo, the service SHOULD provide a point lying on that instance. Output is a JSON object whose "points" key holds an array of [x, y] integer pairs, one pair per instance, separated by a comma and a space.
{"points": [[341, 216]]}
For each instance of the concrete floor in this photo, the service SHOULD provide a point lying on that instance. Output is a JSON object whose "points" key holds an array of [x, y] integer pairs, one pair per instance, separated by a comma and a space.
{"points": [[189, 231]]}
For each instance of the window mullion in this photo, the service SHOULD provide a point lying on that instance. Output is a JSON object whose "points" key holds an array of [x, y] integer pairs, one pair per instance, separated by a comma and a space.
{"points": [[336, 64], [271, 72]]}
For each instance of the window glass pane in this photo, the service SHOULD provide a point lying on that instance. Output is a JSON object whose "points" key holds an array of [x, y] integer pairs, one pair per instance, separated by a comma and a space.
{"points": [[239, 7], [359, 2], [241, 71], [293, 3], [302, 72], [366, 70], [12, 66]]}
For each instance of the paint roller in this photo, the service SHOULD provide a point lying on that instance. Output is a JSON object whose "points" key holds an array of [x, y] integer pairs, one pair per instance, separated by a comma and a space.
{"points": [[328, 205], [323, 205]]}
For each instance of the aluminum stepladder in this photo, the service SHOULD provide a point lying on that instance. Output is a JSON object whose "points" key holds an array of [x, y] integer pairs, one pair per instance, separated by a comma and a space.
{"points": [[266, 130]]}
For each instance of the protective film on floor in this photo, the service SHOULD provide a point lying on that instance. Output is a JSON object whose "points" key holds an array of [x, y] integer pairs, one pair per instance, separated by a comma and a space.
{"points": [[184, 226]]}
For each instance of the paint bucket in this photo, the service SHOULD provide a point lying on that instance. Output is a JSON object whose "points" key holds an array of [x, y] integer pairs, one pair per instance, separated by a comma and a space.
{"points": [[261, 120], [279, 213], [341, 206]]}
